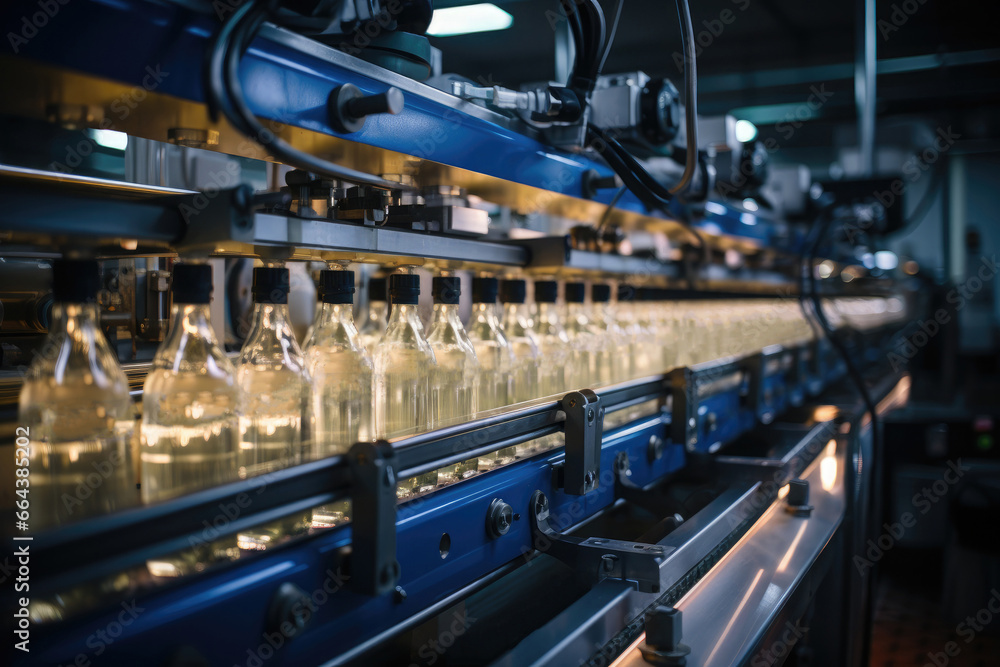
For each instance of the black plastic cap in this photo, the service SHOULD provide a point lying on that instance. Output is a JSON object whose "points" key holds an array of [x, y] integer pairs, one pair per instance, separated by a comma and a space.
{"points": [[336, 286], [513, 291], [270, 285], [576, 292], [446, 289], [546, 291], [75, 280], [484, 290], [378, 289], [626, 293], [191, 283], [404, 288], [600, 293]]}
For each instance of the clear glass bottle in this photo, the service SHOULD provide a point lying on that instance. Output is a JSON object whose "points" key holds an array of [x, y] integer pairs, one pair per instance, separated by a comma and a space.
{"points": [[517, 326], [403, 362], [527, 357], [589, 362], [613, 357], [341, 371], [76, 411], [190, 402], [496, 359], [374, 325], [272, 375], [493, 351], [455, 384], [641, 341], [554, 376]]}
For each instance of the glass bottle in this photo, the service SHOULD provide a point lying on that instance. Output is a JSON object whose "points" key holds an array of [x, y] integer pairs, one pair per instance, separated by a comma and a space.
{"points": [[496, 358], [403, 364], [341, 371], [641, 342], [554, 377], [517, 326], [374, 325], [190, 401], [527, 357], [272, 375], [589, 363], [76, 412], [613, 356], [493, 351]]}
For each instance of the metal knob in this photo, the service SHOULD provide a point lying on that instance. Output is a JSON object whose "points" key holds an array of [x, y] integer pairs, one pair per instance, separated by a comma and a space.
{"points": [[499, 518], [348, 106], [663, 638]]}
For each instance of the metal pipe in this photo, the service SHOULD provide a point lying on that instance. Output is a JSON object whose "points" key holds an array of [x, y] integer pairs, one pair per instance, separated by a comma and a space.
{"points": [[864, 84]]}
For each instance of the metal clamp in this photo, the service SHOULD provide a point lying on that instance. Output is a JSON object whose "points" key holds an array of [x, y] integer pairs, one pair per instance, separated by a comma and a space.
{"points": [[374, 568], [584, 430], [596, 558]]}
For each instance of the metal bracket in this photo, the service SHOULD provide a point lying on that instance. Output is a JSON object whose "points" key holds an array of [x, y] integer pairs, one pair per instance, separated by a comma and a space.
{"points": [[646, 497], [584, 430], [596, 558], [374, 568]]}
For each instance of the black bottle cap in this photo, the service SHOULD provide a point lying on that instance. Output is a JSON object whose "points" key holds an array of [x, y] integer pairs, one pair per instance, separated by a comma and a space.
{"points": [[576, 292], [378, 289], [546, 291], [75, 280], [484, 290], [270, 285], [626, 293], [446, 290], [600, 293], [404, 288], [513, 291], [191, 283], [336, 286]]}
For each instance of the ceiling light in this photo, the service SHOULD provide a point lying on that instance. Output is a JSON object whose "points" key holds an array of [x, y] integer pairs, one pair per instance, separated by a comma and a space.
{"points": [[483, 17], [109, 139], [745, 131]]}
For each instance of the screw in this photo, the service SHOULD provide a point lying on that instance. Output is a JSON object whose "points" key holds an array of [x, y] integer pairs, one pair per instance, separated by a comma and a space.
{"points": [[399, 594], [589, 478]]}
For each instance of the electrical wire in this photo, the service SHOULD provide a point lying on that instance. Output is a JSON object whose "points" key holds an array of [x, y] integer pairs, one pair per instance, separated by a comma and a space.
{"points": [[611, 37], [611, 206], [225, 95], [690, 97]]}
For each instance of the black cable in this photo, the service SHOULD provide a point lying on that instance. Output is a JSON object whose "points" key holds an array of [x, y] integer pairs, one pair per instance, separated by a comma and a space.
{"points": [[611, 37], [690, 97], [225, 95], [611, 206]]}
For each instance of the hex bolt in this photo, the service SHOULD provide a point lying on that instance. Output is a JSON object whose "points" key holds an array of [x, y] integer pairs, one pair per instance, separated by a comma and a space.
{"points": [[654, 450], [663, 637], [589, 478]]}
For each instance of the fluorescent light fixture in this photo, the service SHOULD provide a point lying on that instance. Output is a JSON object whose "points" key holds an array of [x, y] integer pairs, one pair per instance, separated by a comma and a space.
{"points": [[745, 131], [717, 209], [748, 219], [886, 260], [750, 205], [484, 17], [109, 139]]}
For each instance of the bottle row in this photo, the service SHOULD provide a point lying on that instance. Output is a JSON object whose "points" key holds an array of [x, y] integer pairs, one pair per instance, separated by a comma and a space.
{"points": [[206, 421]]}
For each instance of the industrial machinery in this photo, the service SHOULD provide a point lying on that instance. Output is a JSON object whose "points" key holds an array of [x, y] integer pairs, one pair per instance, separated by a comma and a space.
{"points": [[701, 501]]}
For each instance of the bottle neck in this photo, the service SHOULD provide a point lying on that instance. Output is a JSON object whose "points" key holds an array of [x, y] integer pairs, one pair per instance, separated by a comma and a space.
{"points": [[191, 318], [69, 317], [335, 323], [405, 314], [548, 312]]}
